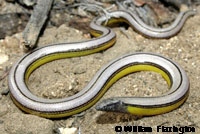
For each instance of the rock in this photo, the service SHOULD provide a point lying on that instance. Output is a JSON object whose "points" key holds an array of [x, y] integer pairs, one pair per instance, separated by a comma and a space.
{"points": [[5, 92], [68, 130], [28, 3], [79, 69], [3, 58], [12, 41], [18, 123], [70, 122]]}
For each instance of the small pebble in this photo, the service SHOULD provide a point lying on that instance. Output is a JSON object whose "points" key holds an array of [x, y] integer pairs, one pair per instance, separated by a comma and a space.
{"points": [[3, 58], [68, 130], [79, 69], [5, 92], [11, 42], [69, 122], [28, 3]]}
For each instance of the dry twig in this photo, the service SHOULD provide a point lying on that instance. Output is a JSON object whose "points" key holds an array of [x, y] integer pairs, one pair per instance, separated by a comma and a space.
{"points": [[36, 22]]}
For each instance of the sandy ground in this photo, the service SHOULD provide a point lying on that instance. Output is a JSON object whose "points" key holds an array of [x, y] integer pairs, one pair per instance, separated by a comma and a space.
{"points": [[65, 77]]}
